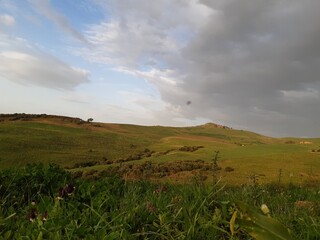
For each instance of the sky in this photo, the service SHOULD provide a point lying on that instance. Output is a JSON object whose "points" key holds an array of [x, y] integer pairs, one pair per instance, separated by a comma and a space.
{"points": [[252, 65]]}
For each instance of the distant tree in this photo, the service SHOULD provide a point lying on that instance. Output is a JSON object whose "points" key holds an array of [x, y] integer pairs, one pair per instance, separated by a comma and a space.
{"points": [[90, 120]]}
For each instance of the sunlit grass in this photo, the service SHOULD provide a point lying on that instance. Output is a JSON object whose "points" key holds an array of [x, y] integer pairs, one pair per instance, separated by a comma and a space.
{"points": [[112, 208], [69, 144]]}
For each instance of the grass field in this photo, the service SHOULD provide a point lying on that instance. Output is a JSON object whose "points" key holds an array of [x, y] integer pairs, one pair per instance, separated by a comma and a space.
{"points": [[86, 147], [138, 182], [34, 205]]}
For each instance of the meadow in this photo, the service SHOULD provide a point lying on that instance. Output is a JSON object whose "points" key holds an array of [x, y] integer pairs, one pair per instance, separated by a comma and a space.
{"points": [[170, 154], [139, 182]]}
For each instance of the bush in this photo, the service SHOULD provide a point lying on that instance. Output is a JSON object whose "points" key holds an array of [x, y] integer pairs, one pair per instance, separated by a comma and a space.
{"points": [[86, 164], [20, 187], [229, 169], [77, 174]]}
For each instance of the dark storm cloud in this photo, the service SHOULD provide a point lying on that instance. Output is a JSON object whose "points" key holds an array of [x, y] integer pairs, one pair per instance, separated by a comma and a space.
{"points": [[258, 62], [248, 64]]}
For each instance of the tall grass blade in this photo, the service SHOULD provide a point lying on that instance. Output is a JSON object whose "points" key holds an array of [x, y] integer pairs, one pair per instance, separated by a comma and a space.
{"points": [[259, 226]]}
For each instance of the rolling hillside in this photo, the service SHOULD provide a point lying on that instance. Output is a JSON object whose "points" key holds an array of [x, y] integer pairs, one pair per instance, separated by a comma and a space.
{"points": [[166, 153]]}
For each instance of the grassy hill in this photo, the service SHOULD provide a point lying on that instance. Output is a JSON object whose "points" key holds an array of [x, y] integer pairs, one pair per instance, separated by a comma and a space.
{"points": [[165, 153]]}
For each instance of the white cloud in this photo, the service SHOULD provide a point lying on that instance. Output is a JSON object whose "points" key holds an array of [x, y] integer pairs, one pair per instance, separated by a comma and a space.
{"points": [[23, 63], [135, 44], [75, 97], [138, 34], [7, 20], [146, 41], [140, 109], [309, 93], [44, 8]]}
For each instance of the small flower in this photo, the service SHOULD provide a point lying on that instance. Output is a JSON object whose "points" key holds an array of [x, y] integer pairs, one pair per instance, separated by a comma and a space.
{"points": [[45, 216], [32, 215], [67, 190], [150, 207], [62, 194], [33, 203], [264, 208]]}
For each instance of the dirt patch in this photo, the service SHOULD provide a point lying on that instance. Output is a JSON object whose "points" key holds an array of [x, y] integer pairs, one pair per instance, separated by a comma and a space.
{"points": [[192, 137]]}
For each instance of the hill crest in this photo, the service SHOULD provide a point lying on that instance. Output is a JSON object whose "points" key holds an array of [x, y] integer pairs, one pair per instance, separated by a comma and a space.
{"points": [[213, 125], [29, 117]]}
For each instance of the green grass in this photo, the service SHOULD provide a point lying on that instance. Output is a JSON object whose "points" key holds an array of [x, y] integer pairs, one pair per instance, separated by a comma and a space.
{"points": [[22, 143], [281, 173], [112, 208], [52, 140]]}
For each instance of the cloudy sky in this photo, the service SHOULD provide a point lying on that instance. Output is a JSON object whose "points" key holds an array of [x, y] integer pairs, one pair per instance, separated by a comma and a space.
{"points": [[246, 64]]}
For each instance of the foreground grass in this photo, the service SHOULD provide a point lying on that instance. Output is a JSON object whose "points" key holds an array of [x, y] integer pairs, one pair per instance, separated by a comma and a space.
{"points": [[111, 208]]}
